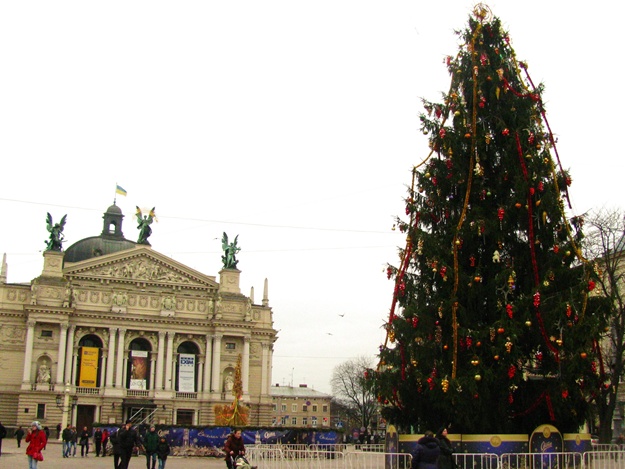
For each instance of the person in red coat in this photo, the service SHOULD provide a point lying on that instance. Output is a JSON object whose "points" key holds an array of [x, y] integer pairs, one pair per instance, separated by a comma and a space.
{"points": [[36, 439]]}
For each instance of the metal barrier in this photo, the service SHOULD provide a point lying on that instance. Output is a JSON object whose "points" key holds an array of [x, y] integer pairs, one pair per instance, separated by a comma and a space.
{"points": [[541, 461], [604, 460], [277, 457], [476, 460]]}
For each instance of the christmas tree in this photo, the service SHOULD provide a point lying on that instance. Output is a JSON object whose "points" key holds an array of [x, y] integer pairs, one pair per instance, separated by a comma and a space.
{"points": [[489, 327]]}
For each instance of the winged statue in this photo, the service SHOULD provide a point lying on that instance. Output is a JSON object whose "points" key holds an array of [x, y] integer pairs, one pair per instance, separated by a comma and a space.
{"points": [[55, 241]]}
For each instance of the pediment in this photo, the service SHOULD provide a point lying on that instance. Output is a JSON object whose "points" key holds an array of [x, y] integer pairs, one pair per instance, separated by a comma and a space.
{"points": [[139, 265]]}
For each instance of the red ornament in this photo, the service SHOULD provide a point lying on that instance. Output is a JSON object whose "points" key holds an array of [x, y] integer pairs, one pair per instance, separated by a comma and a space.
{"points": [[510, 398], [556, 248], [505, 132], [511, 371], [591, 285], [500, 213], [509, 310], [415, 321], [536, 299], [568, 310], [442, 133], [389, 272], [565, 393]]}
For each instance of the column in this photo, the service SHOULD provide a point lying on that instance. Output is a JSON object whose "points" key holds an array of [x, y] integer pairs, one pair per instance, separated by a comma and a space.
{"points": [[216, 363], [245, 366], [207, 370], [69, 354], [119, 382], [168, 360], [200, 376], [159, 361], [75, 368], [111, 362], [60, 362], [28, 356], [103, 370], [264, 369], [152, 369], [268, 390]]}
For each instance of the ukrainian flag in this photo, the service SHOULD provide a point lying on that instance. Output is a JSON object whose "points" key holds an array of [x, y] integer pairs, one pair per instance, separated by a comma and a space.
{"points": [[121, 191]]}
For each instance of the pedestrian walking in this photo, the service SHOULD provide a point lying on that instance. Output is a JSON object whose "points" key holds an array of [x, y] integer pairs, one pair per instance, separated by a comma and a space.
{"points": [[58, 431], [84, 442], [150, 443], [19, 434], [426, 452], [162, 452], [97, 441], [46, 430], [234, 447], [105, 441], [36, 439], [74, 441], [66, 438], [128, 441], [117, 449]]}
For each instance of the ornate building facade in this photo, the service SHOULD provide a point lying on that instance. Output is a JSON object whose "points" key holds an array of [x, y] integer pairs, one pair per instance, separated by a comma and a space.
{"points": [[114, 330]]}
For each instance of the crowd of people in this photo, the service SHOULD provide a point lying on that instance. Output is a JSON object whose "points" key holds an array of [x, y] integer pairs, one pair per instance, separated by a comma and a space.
{"points": [[433, 451]]}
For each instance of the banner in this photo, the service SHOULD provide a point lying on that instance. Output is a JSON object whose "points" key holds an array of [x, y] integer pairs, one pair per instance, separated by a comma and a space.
{"points": [[88, 367], [186, 372], [138, 369]]}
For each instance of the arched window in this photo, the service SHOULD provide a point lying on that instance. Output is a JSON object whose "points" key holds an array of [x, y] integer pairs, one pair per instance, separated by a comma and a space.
{"points": [[187, 367], [138, 370], [89, 361]]}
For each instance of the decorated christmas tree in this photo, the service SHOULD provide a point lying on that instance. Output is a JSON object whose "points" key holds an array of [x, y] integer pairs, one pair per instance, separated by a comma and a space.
{"points": [[489, 326], [237, 414]]}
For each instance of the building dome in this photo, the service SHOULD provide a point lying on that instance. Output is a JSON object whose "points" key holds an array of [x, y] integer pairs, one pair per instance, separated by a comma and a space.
{"points": [[110, 240]]}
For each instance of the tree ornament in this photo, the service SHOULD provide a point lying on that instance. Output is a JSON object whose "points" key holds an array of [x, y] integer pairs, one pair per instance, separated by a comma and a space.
{"points": [[509, 310], [445, 385]]}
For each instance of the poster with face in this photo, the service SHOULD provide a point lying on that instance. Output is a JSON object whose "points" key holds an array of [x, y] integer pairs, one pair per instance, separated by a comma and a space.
{"points": [[138, 369]]}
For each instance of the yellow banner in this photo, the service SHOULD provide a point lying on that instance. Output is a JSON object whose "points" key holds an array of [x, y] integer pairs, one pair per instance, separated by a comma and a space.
{"points": [[88, 367]]}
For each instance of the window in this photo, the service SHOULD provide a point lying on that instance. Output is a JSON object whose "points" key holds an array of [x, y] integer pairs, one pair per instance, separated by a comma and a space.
{"points": [[46, 333], [314, 407], [325, 407], [231, 346], [304, 421], [293, 420], [275, 407], [304, 408], [293, 407], [314, 421], [283, 407], [273, 421], [41, 411], [283, 421]]}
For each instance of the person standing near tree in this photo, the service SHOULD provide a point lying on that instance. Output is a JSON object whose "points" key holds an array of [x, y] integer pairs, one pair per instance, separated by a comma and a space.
{"points": [[19, 434], [446, 458], [426, 452], [97, 441], [3, 434]]}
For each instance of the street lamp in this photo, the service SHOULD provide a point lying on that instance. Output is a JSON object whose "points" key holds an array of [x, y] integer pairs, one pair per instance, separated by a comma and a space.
{"points": [[62, 402]]}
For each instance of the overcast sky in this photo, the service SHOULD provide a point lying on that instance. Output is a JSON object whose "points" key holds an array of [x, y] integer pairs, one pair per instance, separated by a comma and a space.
{"points": [[292, 124]]}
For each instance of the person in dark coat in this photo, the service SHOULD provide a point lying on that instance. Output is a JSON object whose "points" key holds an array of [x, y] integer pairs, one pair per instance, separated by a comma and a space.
{"points": [[426, 452], [117, 449], [97, 441], [150, 443], [19, 434], [234, 447], [162, 451], [128, 440], [66, 436], [445, 459], [84, 442]]}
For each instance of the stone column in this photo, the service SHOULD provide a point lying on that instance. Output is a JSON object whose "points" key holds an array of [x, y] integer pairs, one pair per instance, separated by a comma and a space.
{"points": [[216, 368], [75, 367], [169, 361], [245, 366], [60, 363], [268, 391], [207, 369], [119, 380], [200, 377], [28, 356], [264, 369], [103, 370], [111, 362], [152, 370], [69, 354], [159, 361]]}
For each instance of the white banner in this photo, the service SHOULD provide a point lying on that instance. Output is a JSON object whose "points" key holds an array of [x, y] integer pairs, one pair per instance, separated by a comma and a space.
{"points": [[186, 372]]}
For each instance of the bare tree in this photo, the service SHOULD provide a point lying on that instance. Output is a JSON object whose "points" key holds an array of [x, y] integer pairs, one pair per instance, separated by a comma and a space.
{"points": [[350, 388], [605, 243]]}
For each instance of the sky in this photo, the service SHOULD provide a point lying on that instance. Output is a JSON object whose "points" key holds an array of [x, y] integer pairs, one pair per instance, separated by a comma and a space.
{"points": [[292, 124]]}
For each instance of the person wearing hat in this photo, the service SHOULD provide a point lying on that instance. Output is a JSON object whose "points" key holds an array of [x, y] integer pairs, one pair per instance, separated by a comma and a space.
{"points": [[36, 439]]}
